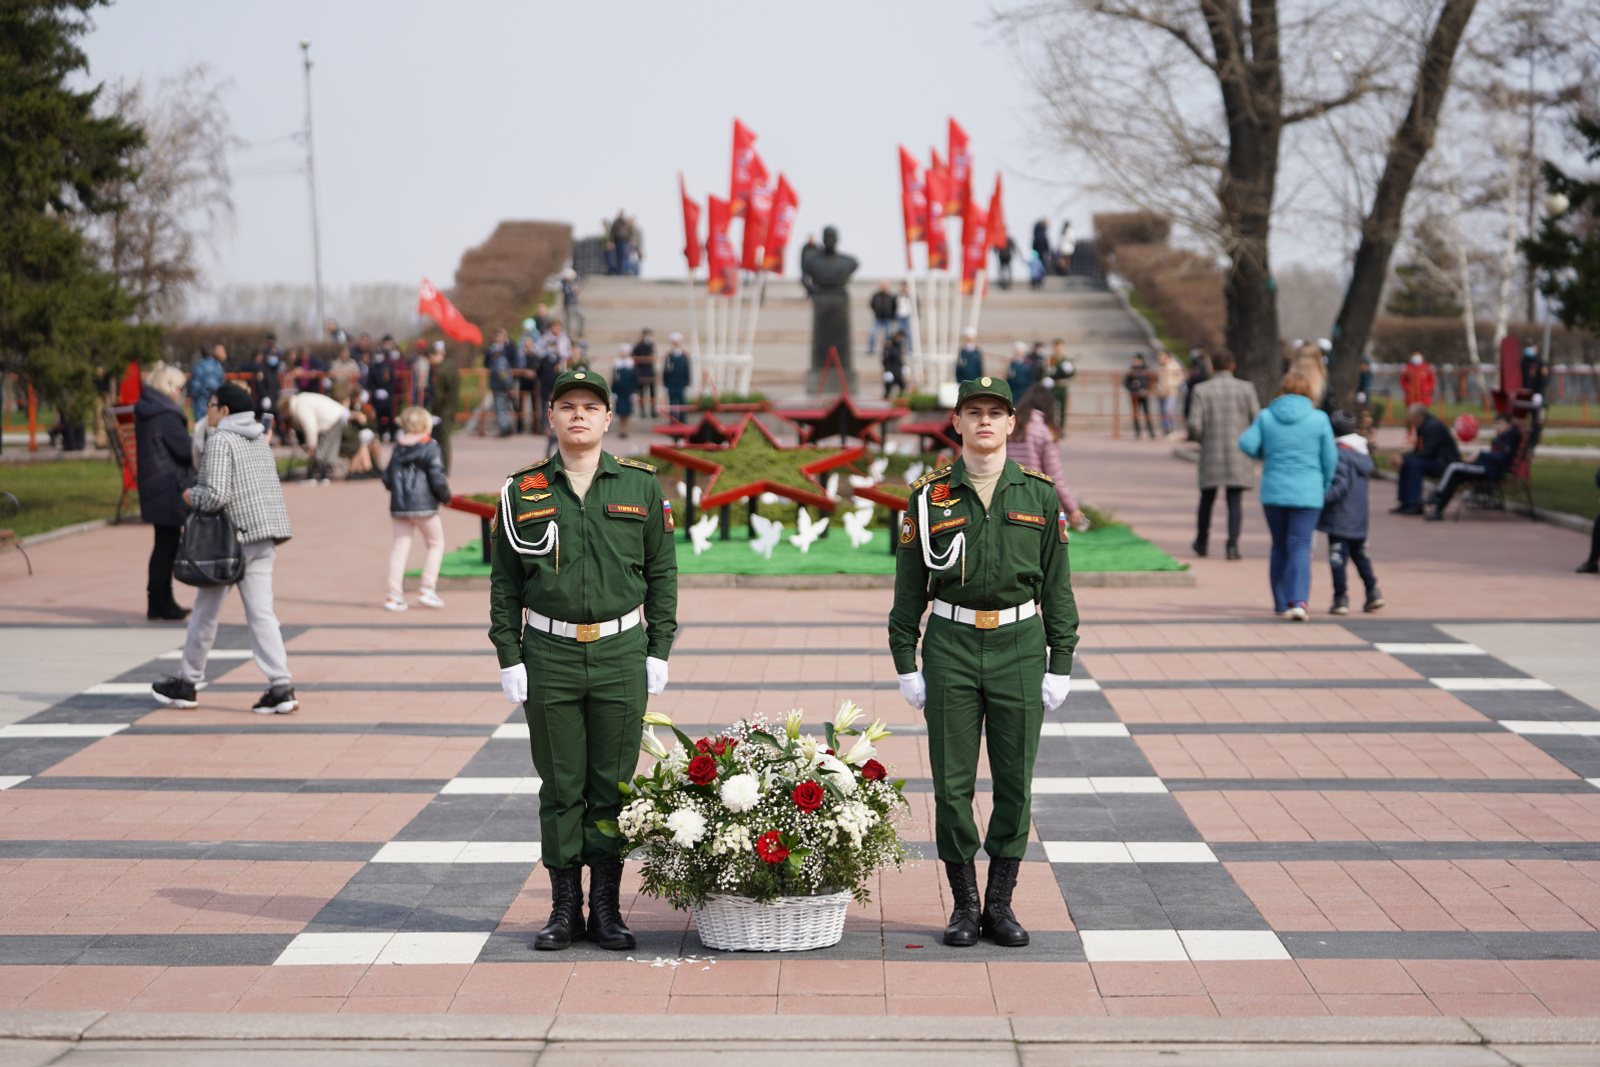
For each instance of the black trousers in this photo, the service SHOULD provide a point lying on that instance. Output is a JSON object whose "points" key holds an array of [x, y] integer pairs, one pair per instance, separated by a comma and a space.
{"points": [[158, 587], [1594, 544], [1208, 499], [1142, 403], [647, 398], [1342, 550]]}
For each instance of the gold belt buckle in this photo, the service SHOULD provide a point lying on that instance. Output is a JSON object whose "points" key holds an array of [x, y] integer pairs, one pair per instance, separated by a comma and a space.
{"points": [[588, 631], [986, 620]]}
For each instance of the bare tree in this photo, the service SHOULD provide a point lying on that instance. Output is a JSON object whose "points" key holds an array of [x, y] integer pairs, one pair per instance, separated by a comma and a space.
{"points": [[181, 198], [1183, 107]]}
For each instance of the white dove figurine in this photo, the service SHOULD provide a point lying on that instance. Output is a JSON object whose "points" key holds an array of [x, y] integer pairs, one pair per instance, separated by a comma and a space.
{"points": [[914, 471], [832, 488], [700, 532], [809, 531], [855, 525], [768, 533], [878, 469]]}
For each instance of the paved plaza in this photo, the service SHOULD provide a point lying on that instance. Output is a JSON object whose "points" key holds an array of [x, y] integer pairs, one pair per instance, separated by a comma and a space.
{"points": [[1386, 815]]}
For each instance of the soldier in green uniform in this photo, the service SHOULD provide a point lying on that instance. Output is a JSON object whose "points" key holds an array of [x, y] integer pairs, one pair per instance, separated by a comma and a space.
{"points": [[582, 555], [985, 539]]}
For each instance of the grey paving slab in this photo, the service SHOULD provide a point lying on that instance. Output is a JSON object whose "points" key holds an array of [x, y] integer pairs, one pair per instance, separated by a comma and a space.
{"points": [[429, 919], [238, 785], [315, 851], [1530, 704], [1193, 1030], [1139, 729], [1196, 896], [1385, 851], [1112, 817], [186, 950], [1442, 945], [1581, 755], [1408, 785], [1152, 1054], [1407, 631], [1109, 896], [297, 1054], [33, 755], [42, 666], [31, 1053], [1077, 757], [1560, 653], [500, 759], [39, 949], [277, 725], [463, 817]]}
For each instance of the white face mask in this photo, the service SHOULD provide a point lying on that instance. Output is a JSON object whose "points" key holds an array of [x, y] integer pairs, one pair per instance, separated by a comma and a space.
{"points": [[1416, 360]]}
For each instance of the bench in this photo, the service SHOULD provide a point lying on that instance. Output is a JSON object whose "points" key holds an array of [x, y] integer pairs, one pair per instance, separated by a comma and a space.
{"points": [[8, 538], [1483, 493]]}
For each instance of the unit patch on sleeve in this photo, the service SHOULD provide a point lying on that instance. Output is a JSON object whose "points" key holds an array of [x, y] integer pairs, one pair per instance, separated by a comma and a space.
{"points": [[1063, 526], [908, 530], [666, 515]]}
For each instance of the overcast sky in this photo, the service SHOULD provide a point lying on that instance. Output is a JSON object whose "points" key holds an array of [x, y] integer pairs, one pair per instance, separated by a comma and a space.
{"points": [[435, 121]]}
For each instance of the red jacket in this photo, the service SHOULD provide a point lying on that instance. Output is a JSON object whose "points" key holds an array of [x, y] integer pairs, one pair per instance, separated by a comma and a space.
{"points": [[1418, 382]]}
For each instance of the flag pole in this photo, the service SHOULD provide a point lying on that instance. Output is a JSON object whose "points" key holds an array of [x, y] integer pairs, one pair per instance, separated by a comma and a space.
{"points": [[694, 320], [755, 308], [980, 282]]}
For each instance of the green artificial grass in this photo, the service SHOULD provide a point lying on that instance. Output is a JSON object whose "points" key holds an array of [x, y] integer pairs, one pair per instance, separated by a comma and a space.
{"points": [[1114, 548]]}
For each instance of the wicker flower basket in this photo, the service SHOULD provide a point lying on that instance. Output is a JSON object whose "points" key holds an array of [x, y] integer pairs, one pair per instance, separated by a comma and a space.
{"points": [[788, 924]]}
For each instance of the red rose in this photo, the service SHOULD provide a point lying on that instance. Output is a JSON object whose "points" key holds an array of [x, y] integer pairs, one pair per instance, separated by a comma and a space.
{"points": [[704, 745], [769, 846], [873, 771], [808, 796], [726, 744], [702, 769]]}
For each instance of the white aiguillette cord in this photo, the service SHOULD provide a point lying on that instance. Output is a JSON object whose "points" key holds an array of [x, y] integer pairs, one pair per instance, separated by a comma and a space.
{"points": [[550, 541], [941, 561]]}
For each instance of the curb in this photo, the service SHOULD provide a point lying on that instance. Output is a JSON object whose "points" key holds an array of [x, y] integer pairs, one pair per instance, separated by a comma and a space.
{"points": [[814, 1031], [1080, 580], [63, 531]]}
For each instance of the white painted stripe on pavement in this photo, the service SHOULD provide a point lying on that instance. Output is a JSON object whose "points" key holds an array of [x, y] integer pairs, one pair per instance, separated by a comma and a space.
{"points": [[1578, 727], [1049, 786], [1155, 946], [1129, 852], [1491, 685], [1233, 945], [1085, 685], [353, 949], [217, 653], [61, 729], [1440, 648], [458, 852], [511, 731], [125, 689], [491, 785], [9, 780], [1084, 729]]}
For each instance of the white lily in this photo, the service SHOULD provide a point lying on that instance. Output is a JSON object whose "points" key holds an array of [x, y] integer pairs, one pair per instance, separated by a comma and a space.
{"points": [[791, 723], [655, 718], [877, 731], [812, 749], [847, 714], [860, 752], [652, 744]]}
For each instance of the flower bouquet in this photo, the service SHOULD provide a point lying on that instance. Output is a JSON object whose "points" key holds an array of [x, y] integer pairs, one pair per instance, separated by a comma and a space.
{"points": [[764, 834]]}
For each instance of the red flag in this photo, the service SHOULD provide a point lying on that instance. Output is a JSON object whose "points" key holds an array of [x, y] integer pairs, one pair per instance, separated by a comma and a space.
{"points": [[756, 214], [938, 195], [960, 173], [780, 224], [432, 303], [722, 264], [997, 218], [691, 226], [744, 147], [913, 201], [974, 245]]}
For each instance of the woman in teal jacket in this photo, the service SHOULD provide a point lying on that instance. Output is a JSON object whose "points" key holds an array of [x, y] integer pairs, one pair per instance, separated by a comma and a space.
{"points": [[1294, 441]]}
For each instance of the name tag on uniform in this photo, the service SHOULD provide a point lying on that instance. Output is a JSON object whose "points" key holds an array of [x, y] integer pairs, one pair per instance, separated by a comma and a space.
{"points": [[946, 524], [537, 513], [1026, 518], [628, 511]]}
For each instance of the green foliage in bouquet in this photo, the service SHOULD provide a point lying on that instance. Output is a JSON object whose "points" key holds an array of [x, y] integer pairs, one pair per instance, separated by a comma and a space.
{"points": [[762, 812]]}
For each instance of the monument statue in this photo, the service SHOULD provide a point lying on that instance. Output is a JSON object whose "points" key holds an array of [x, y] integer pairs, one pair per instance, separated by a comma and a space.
{"points": [[829, 270]]}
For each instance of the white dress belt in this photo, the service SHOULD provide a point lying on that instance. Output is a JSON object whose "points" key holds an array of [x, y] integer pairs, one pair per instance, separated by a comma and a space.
{"points": [[985, 620], [582, 631]]}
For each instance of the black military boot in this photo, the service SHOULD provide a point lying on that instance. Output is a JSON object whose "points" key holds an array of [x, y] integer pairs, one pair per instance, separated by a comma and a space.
{"points": [[606, 927], [566, 911], [999, 925], [963, 929]]}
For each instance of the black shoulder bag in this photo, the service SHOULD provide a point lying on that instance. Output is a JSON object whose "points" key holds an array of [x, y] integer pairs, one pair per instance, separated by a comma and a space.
{"points": [[209, 553]]}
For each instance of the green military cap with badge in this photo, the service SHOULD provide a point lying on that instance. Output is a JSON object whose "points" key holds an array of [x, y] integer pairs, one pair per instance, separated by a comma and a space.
{"points": [[973, 388], [581, 379]]}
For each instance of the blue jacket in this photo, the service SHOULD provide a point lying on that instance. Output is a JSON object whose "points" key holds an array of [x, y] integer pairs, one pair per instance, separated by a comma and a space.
{"points": [[969, 364], [1344, 508], [1295, 443]]}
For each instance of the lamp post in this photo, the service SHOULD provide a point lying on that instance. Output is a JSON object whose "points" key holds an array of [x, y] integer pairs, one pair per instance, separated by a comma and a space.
{"points": [[311, 179], [1555, 205]]}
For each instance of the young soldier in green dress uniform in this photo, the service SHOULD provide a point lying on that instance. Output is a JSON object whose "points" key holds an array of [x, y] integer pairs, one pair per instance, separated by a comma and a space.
{"points": [[986, 540], [582, 555]]}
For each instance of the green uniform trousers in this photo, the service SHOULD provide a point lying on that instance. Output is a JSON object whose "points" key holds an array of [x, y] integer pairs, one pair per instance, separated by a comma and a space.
{"points": [[442, 435], [585, 708], [983, 684]]}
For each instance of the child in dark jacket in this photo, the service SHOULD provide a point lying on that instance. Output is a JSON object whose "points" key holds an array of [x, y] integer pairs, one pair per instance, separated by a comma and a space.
{"points": [[417, 486], [1344, 515]]}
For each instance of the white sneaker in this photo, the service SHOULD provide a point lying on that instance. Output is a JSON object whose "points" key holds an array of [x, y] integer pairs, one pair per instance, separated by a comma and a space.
{"points": [[395, 604], [429, 599], [1299, 613]]}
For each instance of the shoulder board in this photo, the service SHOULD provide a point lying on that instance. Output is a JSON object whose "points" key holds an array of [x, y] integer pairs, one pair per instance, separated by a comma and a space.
{"points": [[530, 467], [932, 476], [1041, 475], [639, 463]]}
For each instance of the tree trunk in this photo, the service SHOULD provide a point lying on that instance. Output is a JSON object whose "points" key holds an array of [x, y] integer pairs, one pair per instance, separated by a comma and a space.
{"points": [[1381, 229]]}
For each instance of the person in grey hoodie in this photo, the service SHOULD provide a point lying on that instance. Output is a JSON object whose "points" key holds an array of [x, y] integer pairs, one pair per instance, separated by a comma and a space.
{"points": [[1344, 515]]}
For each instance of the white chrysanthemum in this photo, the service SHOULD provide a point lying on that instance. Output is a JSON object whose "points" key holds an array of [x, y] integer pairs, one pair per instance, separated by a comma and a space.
{"points": [[741, 792], [842, 776], [639, 818], [688, 827], [732, 838]]}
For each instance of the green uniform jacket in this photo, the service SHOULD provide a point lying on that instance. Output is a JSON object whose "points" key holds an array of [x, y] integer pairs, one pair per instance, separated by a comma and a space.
{"points": [[1015, 553], [445, 384], [614, 551]]}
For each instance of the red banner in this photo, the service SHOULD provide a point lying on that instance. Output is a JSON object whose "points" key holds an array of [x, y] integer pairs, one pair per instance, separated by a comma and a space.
{"points": [[723, 279], [938, 195], [744, 149], [997, 218], [974, 245], [780, 224], [913, 201], [960, 191], [432, 303], [691, 226], [756, 214]]}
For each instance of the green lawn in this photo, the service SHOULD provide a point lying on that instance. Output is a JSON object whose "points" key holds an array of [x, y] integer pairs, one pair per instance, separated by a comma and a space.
{"points": [[1558, 484], [1572, 438], [62, 493]]}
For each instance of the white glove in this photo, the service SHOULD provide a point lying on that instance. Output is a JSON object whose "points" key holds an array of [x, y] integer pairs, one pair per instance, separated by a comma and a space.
{"points": [[914, 689], [514, 683], [1056, 688], [655, 675]]}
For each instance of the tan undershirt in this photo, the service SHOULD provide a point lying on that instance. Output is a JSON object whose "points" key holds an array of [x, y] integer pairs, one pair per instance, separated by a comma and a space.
{"points": [[579, 480], [984, 484]]}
